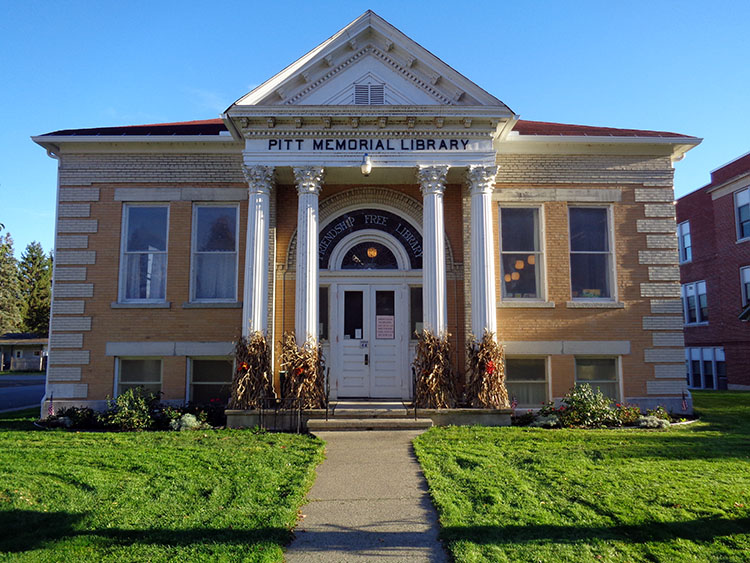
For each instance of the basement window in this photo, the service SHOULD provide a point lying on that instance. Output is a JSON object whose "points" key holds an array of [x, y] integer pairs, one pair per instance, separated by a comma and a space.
{"points": [[369, 94]]}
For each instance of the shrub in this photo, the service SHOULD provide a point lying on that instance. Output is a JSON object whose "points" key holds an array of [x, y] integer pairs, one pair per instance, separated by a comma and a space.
{"points": [[135, 409], [652, 422], [627, 414], [583, 406], [524, 419], [188, 422], [75, 417], [659, 412]]}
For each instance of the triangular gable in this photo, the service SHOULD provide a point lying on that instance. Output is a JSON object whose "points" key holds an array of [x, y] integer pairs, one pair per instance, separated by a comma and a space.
{"points": [[369, 51]]}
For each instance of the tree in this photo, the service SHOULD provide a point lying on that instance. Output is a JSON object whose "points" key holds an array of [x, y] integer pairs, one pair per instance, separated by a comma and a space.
{"points": [[35, 282], [10, 298]]}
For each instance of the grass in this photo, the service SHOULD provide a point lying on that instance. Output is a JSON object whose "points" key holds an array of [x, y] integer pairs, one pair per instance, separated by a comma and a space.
{"points": [[222, 495], [522, 494], [19, 373]]}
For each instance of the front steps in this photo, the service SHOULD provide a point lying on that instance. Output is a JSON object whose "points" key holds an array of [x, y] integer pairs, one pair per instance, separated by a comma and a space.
{"points": [[367, 415]]}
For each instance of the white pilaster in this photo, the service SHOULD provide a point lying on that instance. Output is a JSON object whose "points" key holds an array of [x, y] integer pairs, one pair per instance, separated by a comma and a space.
{"points": [[309, 180], [434, 298], [255, 293], [481, 180]]}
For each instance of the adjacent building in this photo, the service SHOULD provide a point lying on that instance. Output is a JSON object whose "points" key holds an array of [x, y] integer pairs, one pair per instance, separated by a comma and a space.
{"points": [[713, 231], [366, 192]]}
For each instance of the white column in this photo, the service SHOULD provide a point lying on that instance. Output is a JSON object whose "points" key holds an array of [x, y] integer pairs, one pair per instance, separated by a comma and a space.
{"points": [[481, 181], [255, 293], [309, 180], [434, 298]]}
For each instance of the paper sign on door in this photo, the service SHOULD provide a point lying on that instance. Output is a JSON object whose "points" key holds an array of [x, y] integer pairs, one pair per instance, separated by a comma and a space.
{"points": [[385, 327]]}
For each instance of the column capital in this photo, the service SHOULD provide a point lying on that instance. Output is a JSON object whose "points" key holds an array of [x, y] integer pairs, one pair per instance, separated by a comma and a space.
{"points": [[309, 179], [432, 178], [259, 178], [481, 179]]}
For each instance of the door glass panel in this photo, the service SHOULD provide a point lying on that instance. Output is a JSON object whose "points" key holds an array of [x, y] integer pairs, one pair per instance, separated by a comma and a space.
{"points": [[385, 320], [415, 300], [353, 315], [323, 313]]}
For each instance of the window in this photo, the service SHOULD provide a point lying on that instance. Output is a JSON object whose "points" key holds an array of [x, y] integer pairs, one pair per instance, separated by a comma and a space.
{"points": [[139, 372], [214, 253], [19, 354], [745, 281], [742, 206], [323, 313], [705, 368], [369, 256], [590, 253], [143, 273], [520, 253], [694, 302], [601, 373], [369, 94], [526, 380], [210, 380], [684, 242]]}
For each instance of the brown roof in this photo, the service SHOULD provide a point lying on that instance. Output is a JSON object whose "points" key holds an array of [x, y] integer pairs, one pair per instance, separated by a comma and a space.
{"points": [[524, 127]]}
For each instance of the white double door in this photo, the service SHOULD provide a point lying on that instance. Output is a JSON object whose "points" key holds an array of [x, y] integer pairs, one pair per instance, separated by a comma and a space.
{"points": [[371, 338]]}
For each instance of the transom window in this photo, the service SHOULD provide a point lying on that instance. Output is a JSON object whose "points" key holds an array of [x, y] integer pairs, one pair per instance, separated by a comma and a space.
{"points": [[143, 275], [214, 276], [590, 253], [369, 255], [685, 242], [742, 206], [520, 252], [695, 302]]}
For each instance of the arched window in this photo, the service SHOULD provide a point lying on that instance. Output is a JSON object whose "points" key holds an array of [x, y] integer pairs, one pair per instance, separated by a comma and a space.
{"points": [[369, 255]]}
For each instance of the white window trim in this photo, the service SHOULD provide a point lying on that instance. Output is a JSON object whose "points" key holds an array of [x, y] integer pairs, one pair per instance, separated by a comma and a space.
{"points": [[547, 375], [123, 245], [618, 374], [680, 243], [744, 270], [118, 359], [683, 296], [611, 252], [194, 232], [689, 365], [542, 252], [736, 195], [189, 375]]}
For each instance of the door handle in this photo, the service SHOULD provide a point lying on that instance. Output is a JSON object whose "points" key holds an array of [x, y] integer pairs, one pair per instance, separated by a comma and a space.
{"points": [[367, 359]]}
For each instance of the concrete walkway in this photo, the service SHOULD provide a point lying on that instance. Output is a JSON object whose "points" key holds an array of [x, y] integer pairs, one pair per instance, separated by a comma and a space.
{"points": [[369, 502]]}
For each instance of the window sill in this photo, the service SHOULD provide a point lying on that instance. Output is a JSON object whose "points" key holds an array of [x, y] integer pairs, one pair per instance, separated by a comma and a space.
{"points": [[688, 325], [595, 305], [143, 305], [521, 304], [213, 305]]}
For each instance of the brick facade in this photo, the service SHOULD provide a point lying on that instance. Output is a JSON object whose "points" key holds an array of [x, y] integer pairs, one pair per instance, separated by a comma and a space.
{"points": [[717, 256]]}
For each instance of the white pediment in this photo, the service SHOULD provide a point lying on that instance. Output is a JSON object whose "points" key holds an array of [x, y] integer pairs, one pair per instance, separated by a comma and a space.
{"points": [[369, 51]]}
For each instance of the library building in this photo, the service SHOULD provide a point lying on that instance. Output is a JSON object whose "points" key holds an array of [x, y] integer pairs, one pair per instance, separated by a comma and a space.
{"points": [[363, 194]]}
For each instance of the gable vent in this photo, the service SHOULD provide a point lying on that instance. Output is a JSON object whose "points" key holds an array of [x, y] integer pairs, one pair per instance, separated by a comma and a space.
{"points": [[369, 94]]}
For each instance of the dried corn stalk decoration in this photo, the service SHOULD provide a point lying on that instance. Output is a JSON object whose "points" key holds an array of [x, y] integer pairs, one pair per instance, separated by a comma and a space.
{"points": [[252, 381], [436, 384], [485, 373], [304, 377]]}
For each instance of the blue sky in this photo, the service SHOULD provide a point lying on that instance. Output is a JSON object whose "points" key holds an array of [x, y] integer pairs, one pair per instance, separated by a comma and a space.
{"points": [[663, 65]]}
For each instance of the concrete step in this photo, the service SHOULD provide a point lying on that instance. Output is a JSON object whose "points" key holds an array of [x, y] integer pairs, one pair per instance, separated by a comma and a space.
{"points": [[370, 413], [339, 423]]}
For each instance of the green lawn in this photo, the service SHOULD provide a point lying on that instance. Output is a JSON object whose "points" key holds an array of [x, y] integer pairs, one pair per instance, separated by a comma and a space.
{"points": [[226, 495], [20, 373], [521, 494]]}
